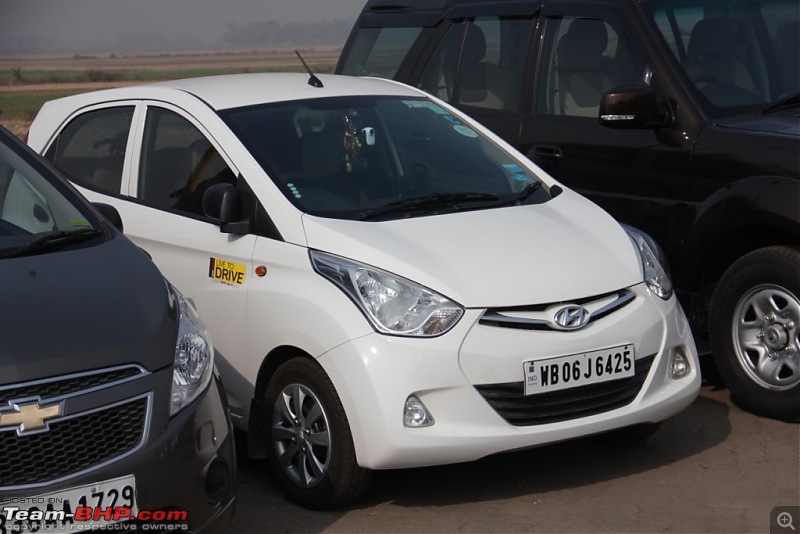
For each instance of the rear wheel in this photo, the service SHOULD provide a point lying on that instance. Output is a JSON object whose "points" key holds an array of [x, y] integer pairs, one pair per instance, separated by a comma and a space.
{"points": [[755, 332], [311, 449]]}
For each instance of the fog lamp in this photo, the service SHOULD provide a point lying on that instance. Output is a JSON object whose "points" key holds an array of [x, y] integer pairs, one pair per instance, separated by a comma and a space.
{"points": [[679, 364], [416, 414]]}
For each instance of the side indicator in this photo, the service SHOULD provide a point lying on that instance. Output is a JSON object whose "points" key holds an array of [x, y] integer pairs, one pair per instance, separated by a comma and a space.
{"points": [[261, 271]]}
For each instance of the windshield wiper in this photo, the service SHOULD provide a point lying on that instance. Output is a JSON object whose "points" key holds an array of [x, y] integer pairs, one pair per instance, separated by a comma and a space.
{"points": [[788, 102], [529, 189], [429, 202], [53, 240]]}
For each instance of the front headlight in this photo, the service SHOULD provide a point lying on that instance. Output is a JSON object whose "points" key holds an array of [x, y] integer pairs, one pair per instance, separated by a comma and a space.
{"points": [[656, 272], [392, 304], [194, 355]]}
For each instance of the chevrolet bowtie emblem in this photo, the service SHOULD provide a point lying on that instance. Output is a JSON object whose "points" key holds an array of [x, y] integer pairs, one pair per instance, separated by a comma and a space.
{"points": [[29, 416]]}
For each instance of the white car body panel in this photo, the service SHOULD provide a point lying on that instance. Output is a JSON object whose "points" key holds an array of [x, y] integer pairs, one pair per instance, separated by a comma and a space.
{"points": [[529, 244], [555, 252]]}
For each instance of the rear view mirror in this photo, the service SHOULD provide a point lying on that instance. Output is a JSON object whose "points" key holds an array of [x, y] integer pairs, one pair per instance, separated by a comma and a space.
{"points": [[110, 213], [631, 107], [221, 202]]}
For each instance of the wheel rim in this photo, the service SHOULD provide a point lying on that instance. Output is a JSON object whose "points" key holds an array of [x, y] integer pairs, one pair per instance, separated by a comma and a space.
{"points": [[766, 336], [300, 435]]}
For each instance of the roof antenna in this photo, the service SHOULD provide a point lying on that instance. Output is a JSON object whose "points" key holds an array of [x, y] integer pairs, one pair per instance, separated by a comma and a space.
{"points": [[313, 81]]}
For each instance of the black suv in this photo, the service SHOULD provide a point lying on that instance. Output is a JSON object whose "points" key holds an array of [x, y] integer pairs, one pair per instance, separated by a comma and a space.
{"points": [[679, 117]]}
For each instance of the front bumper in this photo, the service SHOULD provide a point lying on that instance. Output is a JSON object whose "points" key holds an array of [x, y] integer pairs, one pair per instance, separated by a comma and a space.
{"points": [[375, 374], [185, 463]]}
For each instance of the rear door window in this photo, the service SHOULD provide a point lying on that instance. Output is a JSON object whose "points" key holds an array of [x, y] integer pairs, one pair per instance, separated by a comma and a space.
{"points": [[91, 149], [479, 63]]}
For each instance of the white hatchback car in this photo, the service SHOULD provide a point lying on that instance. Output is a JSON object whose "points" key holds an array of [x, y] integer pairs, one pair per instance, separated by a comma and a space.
{"points": [[388, 284]]}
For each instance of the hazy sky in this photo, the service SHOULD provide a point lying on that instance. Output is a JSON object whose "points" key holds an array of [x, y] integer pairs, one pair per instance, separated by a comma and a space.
{"points": [[70, 22]]}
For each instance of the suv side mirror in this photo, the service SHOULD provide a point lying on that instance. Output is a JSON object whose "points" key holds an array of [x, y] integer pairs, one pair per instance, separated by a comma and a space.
{"points": [[631, 107], [221, 202]]}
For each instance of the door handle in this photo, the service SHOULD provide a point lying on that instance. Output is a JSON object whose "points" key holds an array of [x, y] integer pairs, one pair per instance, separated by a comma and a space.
{"points": [[546, 152]]}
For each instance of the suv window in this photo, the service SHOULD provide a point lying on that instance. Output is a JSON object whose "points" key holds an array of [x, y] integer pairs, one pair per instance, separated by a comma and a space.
{"points": [[487, 61], [585, 57], [177, 163], [90, 150], [379, 51]]}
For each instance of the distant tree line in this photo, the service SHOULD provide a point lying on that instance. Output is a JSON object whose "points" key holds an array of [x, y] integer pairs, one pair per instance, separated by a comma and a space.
{"points": [[272, 33]]}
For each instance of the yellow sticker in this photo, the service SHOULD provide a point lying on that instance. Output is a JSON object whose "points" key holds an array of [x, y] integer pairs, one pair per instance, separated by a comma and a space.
{"points": [[227, 272]]}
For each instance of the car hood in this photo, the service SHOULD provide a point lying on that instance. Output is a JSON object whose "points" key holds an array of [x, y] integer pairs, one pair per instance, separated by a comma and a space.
{"points": [[564, 249], [766, 124], [89, 308]]}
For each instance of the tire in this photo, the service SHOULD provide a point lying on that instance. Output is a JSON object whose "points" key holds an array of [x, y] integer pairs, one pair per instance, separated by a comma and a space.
{"points": [[755, 332], [310, 449]]}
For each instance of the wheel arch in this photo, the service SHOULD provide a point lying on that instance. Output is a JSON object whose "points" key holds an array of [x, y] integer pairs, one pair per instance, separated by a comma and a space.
{"points": [[257, 437], [750, 214]]}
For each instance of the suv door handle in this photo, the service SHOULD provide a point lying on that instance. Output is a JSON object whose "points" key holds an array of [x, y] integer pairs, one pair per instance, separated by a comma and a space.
{"points": [[548, 152]]}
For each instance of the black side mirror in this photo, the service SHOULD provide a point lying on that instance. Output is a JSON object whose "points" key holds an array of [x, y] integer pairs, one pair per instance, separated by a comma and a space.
{"points": [[221, 202], [631, 107], [110, 213]]}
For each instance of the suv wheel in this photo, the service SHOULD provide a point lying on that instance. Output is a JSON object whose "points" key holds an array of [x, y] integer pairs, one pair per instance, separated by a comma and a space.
{"points": [[755, 325], [311, 451]]}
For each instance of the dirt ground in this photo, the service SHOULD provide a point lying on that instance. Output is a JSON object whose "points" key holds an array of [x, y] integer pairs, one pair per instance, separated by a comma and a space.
{"points": [[322, 59]]}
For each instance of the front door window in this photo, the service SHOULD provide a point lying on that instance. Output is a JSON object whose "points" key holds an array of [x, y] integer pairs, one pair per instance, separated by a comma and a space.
{"points": [[178, 163], [585, 57]]}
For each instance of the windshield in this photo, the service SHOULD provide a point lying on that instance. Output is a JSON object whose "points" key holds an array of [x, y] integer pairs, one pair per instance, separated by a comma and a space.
{"points": [[380, 157], [35, 215], [736, 53]]}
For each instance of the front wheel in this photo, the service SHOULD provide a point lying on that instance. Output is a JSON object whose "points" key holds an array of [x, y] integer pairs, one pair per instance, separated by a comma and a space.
{"points": [[755, 332], [311, 449]]}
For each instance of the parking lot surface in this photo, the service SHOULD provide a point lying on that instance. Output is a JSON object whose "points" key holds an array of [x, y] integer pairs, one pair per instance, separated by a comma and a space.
{"points": [[712, 468]]}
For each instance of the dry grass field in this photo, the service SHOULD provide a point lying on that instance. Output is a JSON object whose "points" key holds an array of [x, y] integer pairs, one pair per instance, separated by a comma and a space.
{"points": [[27, 82]]}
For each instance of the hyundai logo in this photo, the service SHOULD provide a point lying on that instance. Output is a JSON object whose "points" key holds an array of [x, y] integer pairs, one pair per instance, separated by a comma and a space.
{"points": [[572, 317]]}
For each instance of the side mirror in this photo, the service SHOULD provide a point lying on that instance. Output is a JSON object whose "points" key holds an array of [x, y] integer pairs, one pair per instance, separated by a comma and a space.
{"points": [[631, 107], [221, 202], [110, 213]]}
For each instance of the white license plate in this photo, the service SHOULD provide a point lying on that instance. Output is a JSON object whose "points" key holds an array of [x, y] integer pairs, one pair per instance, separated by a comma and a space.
{"points": [[116, 493], [575, 370]]}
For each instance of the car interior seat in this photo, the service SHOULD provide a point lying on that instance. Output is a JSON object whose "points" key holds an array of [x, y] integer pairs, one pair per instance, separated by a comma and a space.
{"points": [[482, 83], [322, 154], [166, 173], [107, 174], [584, 73], [711, 59]]}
